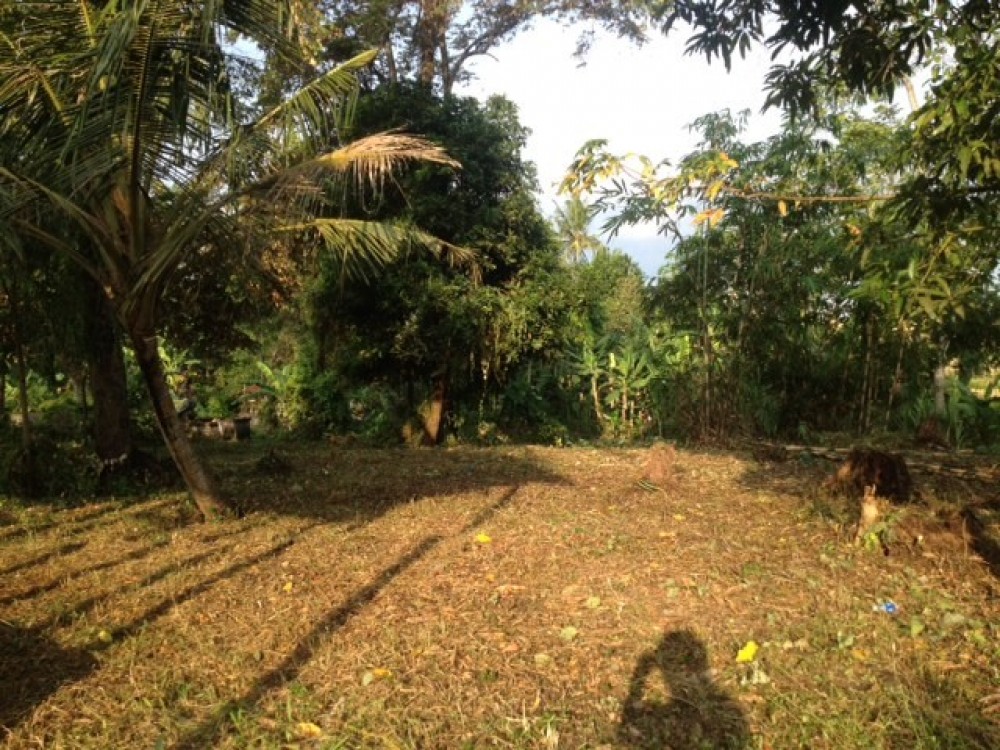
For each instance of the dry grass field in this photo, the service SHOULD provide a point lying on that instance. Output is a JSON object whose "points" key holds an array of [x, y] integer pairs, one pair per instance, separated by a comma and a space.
{"points": [[502, 598]]}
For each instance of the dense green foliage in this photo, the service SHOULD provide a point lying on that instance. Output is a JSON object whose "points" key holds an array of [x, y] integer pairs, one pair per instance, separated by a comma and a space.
{"points": [[245, 226]]}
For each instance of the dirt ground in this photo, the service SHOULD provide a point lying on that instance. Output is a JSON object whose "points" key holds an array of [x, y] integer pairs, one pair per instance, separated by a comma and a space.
{"points": [[508, 597]]}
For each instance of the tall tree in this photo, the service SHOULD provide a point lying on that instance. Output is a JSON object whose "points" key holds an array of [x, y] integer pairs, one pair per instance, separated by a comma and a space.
{"points": [[433, 41], [573, 226], [125, 127]]}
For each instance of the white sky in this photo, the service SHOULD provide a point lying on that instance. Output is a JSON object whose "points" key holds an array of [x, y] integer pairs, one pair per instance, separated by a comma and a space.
{"points": [[640, 99]]}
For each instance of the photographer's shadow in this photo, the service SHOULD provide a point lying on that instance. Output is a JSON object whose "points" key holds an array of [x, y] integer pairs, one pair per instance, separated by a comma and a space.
{"points": [[698, 714]]}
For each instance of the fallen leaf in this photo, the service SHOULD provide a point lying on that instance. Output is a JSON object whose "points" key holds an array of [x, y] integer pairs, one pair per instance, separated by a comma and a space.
{"points": [[306, 730], [568, 633], [287, 588], [593, 602], [482, 538], [679, 516], [542, 660], [105, 637], [375, 674], [952, 620], [748, 653]]}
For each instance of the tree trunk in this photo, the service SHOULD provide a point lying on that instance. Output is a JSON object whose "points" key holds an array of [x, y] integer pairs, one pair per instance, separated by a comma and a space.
{"points": [[203, 490], [595, 393], [940, 389], [436, 409], [22, 390], [108, 383]]}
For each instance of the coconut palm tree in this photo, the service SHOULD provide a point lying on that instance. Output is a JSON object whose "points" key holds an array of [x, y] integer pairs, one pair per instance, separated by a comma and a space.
{"points": [[120, 119], [573, 220]]}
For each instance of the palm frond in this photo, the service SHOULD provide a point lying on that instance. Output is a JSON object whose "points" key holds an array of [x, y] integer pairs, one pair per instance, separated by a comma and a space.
{"points": [[367, 163], [322, 102], [365, 247], [89, 224]]}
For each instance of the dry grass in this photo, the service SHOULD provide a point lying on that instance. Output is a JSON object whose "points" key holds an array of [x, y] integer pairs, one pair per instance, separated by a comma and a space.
{"points": [[359, 605]]}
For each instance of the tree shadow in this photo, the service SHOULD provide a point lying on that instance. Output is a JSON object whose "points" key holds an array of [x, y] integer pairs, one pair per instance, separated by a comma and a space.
{"points": [[165, 606], [205, 734], [79, 523], [967, 508], [938, 711], [698, 714], [85, 606], [984, 542], [359, 485], [33, 667], [65, 549], [65, 578]]}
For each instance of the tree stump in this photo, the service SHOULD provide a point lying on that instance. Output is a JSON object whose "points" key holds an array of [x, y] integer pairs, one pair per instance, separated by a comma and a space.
{"points": [[886, 472]]}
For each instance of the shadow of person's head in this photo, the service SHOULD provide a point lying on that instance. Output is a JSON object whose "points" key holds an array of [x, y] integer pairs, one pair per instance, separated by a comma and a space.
{"points": [[683, 708]]}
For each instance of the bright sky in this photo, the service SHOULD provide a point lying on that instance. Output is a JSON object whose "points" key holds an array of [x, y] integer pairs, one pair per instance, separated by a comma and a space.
{"points": [[640, 99]]}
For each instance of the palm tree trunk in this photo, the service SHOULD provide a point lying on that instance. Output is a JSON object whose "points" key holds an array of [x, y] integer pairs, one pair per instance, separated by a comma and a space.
{"points": [[22, 390], [203, 490], [108, 381]]}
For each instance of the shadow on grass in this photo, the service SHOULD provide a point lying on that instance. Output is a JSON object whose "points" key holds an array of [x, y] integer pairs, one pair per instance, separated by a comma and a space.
{"points": [[935, 712], [65, 549], [83, 607], [358, 485], [205, 735], [800, 476], [698, 715], [984, 543], [33, 667], [175, 600], [84, 522], [137, 554], [74, 658]]}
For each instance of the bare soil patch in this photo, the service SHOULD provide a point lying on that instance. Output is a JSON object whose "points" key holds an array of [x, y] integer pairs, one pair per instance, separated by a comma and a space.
{"points": [[504, 597]]}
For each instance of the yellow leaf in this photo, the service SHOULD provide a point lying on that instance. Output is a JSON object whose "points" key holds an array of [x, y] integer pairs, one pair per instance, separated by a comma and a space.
{"points": [[379, 673], [782, 208], [482, 538], [679, 516], [748, 653], [287, 588], [105, 637], [306, 730], [701, 217], [860, 654]]}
